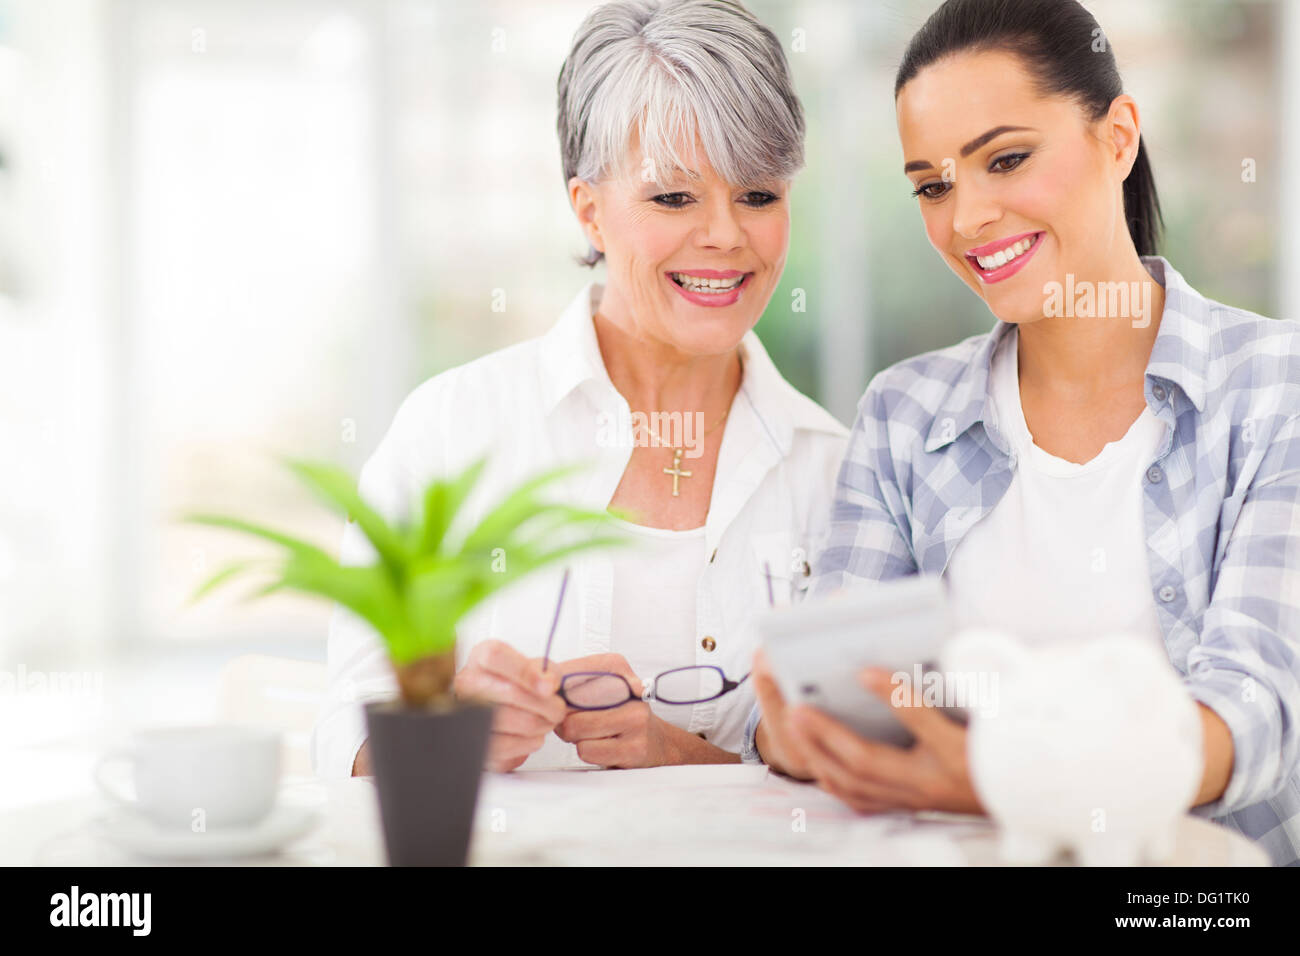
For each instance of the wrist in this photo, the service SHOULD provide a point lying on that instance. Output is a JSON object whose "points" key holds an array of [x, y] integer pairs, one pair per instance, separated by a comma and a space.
{"points": [[683, 747], [766, 752], [361, 762], [769, 754], [760, 738], [1219, 751]]}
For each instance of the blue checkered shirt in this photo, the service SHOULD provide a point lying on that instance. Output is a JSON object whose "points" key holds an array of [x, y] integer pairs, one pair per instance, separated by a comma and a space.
{"points": [[926, 462]]}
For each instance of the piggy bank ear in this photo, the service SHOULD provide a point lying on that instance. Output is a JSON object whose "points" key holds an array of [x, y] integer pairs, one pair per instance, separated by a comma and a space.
{"points": [[983, 649]]}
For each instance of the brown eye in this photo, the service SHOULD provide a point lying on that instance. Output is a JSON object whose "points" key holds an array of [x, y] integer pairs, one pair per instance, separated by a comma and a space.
{"points": [[1004, 164], [931, 190], [672, 200]]}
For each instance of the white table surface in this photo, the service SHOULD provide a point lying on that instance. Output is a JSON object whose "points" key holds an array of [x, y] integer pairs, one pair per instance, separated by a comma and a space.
{"points": [[731, 815]]}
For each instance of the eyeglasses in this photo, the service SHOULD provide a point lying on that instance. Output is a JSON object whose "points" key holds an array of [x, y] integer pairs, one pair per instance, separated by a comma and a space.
{"points": [[603, 690]]}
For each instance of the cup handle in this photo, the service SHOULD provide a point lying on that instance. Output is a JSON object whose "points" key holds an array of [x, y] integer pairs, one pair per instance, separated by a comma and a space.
{"points": [[107, 788]]}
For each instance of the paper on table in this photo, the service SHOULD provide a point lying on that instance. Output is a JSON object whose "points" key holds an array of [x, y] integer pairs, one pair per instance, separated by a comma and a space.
{"points": [[737, 814], [682, 775]]}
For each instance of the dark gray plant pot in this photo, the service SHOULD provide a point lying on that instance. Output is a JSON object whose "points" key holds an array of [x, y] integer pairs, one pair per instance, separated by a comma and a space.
{"points": [[427, 768]]}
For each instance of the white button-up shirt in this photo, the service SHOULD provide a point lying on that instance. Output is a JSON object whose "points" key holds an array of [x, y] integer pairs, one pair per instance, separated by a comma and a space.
{"points": [[549, 401]]}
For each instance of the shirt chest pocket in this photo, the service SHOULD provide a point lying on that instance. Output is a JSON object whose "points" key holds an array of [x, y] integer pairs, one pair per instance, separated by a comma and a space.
{"points": [[783, 558]]}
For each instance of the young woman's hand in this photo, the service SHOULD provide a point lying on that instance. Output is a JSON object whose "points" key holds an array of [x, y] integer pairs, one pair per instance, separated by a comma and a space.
{"points": [[778, 747], [527, 705], [874, 777]]}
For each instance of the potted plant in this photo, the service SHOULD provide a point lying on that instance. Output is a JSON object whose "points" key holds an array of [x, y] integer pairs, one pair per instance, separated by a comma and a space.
{"points": [[427, 748]]}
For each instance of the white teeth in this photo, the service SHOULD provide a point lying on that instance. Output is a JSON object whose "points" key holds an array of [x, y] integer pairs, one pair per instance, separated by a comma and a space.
{"points": [[699, 284], [1003, 256]]}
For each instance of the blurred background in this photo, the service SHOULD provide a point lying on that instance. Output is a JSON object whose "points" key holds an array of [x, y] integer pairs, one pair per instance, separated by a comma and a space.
{"points": [[231, 229]]}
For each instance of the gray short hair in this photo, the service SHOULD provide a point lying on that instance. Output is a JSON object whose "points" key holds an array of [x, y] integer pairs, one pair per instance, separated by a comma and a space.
{"points": [[672, 71]]}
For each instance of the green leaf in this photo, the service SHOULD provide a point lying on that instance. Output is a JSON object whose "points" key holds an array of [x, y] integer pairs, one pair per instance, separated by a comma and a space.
{"points": [[437, 599], [336, 487], [553, 519], [226, 574], [291, 544], [442, 501], [264, 591], [521, 504], [367, 591]]}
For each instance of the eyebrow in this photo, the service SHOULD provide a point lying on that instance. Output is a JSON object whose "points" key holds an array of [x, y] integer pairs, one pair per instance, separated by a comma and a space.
{"points": [[970, 147]]}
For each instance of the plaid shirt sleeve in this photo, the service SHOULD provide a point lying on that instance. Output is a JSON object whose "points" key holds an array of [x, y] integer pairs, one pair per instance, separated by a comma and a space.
{"points": [[1247, 665], [868, 535]]}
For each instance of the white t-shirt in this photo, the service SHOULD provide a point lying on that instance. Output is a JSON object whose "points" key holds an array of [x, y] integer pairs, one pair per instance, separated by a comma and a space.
{"points": [[1063, 555], [654, 608]]}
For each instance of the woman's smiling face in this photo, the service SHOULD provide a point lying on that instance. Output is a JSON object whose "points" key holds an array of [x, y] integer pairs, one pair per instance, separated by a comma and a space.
{"points": [[1016, 189], [692, 261]]}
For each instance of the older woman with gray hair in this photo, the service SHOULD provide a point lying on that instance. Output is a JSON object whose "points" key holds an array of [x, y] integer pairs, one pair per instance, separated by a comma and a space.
{"points": [[680, 133]]}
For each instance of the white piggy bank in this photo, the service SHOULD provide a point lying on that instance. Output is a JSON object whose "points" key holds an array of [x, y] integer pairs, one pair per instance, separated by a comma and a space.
{"points": [[1093, 747]]}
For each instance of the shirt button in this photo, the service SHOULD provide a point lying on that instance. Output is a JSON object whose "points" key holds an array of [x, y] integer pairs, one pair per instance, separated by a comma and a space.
{"points": [[1155, 475], [1167, 594], [708, 643], [1158, 393]]}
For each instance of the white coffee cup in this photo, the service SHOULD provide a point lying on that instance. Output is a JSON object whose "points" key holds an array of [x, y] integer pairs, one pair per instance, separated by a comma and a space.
{"points": [[198, 777]]}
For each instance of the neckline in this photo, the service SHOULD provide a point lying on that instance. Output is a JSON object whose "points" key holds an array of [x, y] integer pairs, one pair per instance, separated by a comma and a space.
{"points": [[1007, 387], [647, 530]]}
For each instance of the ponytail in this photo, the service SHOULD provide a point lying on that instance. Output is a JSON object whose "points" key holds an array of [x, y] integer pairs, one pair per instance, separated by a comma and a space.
{"points": [[1142, 205]]}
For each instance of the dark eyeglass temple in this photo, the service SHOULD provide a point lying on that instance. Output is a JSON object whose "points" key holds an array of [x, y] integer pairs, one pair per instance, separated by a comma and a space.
{"points": [[559, 603], [729, 685]]}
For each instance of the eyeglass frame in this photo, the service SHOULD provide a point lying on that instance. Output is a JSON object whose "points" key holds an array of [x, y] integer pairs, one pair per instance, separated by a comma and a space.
{"points": [[728, 685]]}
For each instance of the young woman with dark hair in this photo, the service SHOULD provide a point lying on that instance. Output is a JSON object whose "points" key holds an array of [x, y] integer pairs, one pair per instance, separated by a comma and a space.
{"points": [[1119, 454]]}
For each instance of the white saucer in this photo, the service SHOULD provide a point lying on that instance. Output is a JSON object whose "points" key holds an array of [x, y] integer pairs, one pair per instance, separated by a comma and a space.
{"points": [[136, 833]]}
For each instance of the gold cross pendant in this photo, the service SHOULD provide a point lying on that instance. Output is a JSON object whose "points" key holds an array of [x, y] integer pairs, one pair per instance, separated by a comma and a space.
{"points": [[676, 470]]}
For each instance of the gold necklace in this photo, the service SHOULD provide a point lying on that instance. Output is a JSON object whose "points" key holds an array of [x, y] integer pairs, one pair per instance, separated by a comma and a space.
{"points": [[675, 472]]}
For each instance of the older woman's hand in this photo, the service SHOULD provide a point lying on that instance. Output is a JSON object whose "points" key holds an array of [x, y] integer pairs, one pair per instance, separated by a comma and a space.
{"points": [[874, 777], [630, 735], [527, 705]]}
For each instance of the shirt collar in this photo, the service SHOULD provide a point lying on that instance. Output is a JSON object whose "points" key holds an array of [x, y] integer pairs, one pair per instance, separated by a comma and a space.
{"points": [[1180, 355], [571, 358], [570, 352], [968, 399]]}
